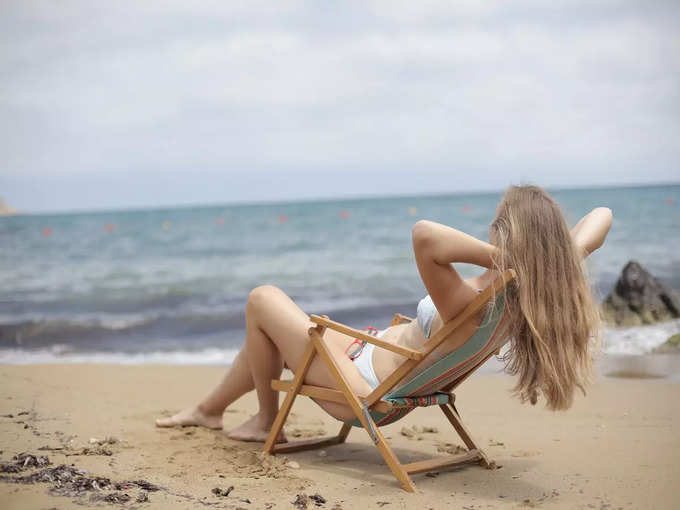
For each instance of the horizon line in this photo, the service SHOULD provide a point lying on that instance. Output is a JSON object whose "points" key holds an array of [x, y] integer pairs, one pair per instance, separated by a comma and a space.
{"points": [[329, 199]]}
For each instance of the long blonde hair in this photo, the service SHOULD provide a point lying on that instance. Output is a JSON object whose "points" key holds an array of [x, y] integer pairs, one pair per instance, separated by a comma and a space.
{"points": [[551, 314]]}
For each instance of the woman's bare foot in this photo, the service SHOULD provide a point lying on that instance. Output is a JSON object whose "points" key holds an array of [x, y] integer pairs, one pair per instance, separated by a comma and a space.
{"points": [[193, 417], [253, 430]]}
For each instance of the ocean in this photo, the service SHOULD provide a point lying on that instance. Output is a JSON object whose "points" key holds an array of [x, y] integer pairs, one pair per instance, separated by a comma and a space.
{"points": [[169, 285]]}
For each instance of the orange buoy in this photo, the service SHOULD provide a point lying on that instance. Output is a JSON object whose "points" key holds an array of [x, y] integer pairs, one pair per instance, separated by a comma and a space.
{"points": [[166, 225], [344, 215], [220, 221], [47, 231], [412, 211], [466, 208], [282, 218], [109, 227], [669, 201]]}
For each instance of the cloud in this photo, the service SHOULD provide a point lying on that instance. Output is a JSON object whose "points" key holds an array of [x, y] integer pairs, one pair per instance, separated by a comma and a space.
{"points": [[567, 93]]}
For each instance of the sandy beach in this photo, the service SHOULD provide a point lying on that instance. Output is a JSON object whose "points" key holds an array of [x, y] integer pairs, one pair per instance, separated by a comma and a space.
{"points": [[616, 448]]}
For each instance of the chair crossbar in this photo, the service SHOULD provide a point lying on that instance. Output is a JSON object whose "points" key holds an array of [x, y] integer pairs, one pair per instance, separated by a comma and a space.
{"points": [[424, 466], [330, 395]]}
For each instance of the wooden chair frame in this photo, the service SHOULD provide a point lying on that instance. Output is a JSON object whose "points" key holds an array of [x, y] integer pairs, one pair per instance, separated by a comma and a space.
{"points": [[361, 404]]}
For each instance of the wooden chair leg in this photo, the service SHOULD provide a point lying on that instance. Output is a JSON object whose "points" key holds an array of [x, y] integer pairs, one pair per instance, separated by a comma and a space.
{"points": [[281, 416], [344, 432], [453, 417], [364, 417]]}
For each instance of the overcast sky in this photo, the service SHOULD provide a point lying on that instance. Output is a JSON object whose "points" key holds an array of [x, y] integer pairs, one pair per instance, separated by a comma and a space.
{"points": [[125, 104]]}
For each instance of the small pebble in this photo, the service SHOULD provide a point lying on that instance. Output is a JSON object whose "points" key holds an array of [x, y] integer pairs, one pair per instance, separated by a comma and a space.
{"points": [[222, 492], [294, 465], [323, 453]]}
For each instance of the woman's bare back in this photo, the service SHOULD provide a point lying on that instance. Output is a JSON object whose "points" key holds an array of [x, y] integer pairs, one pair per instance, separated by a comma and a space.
{"points": [[410, 335]]}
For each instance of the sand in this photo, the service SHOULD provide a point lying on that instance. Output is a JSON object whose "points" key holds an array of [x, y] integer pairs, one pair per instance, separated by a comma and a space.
{"points": [[616, 448]]}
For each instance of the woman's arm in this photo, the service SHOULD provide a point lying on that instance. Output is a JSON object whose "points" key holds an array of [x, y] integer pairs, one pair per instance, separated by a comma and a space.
{"points": [[436, 246], [589, 233], [445, 245]]}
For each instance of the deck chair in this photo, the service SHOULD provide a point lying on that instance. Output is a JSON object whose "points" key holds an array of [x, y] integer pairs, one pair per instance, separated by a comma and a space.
{"points": [[401, 392]]}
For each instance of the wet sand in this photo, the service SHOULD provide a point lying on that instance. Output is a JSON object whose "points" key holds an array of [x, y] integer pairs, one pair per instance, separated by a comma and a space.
{"points": [[616, 448]]}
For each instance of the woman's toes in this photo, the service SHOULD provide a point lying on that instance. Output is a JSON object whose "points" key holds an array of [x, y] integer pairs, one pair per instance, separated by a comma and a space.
{"points": [[165, 422], [189, 418]]}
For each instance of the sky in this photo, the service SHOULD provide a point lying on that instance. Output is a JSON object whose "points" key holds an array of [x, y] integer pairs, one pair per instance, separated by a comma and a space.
{"points": [[142, 104]]}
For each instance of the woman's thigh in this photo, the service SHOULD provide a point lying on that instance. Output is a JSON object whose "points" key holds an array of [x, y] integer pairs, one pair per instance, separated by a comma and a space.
{"points": [[287, 326]]}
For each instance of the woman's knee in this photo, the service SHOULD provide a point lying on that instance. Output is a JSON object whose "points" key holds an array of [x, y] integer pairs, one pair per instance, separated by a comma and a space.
{"points": [[260, 296]]}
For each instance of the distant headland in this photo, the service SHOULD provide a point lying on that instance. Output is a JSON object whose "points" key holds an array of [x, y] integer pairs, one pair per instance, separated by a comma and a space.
{"points": [[6, 209]]}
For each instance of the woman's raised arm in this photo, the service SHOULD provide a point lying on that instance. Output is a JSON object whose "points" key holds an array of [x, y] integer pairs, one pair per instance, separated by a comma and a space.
{"points": [[445, 245], [589, 233], [436, 246]]}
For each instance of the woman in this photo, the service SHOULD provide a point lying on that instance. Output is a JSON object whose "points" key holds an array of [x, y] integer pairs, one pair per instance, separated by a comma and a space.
{"points": [[552, 316]]}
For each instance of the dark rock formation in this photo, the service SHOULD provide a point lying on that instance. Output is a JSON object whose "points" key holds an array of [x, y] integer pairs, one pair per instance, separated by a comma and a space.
{"points": [[638, 298]]}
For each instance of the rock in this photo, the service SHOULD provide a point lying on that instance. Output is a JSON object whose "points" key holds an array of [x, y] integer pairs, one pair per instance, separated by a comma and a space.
{"points": [[408, 432], [318, 499], [638, 298], [670, 346], [223, 492], [301, 501], [23, 461]]}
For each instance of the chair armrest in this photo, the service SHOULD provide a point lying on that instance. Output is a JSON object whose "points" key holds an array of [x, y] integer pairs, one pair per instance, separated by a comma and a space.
{"points": [[400, 319], [355, 333]]}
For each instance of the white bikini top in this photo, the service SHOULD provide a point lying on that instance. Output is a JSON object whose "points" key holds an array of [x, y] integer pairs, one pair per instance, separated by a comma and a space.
{"points": [[426, 313]]}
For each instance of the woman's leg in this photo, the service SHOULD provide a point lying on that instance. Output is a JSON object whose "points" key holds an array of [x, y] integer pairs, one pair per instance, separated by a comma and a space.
{"points": [[276, 331], [208, 413]]}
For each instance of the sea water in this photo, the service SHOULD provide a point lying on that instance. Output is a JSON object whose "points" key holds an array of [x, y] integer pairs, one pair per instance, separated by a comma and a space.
{"points": [[170, 285]]}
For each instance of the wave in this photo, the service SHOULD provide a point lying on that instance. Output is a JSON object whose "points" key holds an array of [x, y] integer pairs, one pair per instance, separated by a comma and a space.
{"points": [[117, 333], [61, 354], [135, 333], [638, 339], [192, 338]]}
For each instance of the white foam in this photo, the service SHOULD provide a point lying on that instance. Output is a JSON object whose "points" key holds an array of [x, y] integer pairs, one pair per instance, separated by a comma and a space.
{"points": [[60, 354], [632, 341], [638, 339], [106, 321]]}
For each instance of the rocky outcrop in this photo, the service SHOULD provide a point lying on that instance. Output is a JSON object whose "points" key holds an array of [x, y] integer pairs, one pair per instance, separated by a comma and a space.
{"points": [[638, 298], [6, 210]]}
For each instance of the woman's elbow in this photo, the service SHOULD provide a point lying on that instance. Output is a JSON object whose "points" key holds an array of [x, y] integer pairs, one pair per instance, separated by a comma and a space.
{"points": [[605, 213], [607, 217], [421, 233]]}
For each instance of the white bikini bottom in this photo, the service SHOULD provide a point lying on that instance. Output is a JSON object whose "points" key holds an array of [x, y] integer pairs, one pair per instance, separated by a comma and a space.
{"points": [[364, 363]]}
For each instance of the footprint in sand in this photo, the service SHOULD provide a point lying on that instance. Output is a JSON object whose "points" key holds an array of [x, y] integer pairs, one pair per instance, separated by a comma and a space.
{"points": [[525, 453], [416, 431], [250, 463], [451, 448], [298, 432]]}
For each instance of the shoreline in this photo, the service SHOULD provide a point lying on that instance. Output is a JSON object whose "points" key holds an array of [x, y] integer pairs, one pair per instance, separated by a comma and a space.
{"points": [[622, 343], [652, 366], [615, 448]]}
